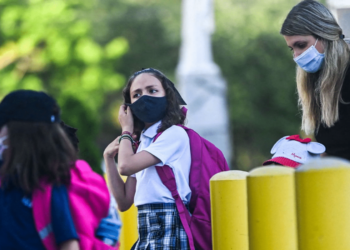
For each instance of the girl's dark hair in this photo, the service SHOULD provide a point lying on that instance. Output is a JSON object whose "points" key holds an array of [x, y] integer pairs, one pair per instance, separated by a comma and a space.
{"points": [[173, 116], [71, 134], [37, 151]]}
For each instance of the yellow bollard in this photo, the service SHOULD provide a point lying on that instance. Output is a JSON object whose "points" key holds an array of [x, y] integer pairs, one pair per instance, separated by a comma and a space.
{"points": [[228, 197], [272, 209], [129, 233], [323, 203]]}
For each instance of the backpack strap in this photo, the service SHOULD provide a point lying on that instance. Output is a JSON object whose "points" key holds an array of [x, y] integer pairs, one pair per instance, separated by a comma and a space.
{"points": [[41, 201], [168, 179], [167, 176]]}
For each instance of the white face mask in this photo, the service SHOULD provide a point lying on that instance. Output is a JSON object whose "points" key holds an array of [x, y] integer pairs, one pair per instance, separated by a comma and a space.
{"points": [[310, 60], [2, 147]]}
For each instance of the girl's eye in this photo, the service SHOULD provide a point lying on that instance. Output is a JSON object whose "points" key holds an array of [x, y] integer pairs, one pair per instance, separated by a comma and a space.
{"points": [[136, 95], [152, 91], [301, 45]]}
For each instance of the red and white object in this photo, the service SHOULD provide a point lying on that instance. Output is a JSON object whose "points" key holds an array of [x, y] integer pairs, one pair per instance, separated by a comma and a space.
{"points": [[291, 151]]}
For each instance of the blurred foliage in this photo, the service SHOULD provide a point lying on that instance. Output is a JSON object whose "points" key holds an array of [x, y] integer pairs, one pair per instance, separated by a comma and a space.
{"points": [[49, 45], [152, 30], [260, 73], [82, 52]]}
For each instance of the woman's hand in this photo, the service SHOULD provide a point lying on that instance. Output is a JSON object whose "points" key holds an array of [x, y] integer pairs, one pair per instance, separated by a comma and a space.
{"points": [[126, 119]]}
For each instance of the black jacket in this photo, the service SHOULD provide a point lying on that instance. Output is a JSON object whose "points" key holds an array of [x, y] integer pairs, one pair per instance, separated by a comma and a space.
{"points": [[337, 138]]}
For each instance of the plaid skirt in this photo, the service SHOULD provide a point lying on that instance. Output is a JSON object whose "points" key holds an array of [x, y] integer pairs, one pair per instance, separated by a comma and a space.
{"points": [[160, 228]]}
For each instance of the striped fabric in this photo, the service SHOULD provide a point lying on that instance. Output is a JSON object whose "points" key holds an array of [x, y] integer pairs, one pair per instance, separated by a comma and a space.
{"points": [[160, 228], [43, 233]]}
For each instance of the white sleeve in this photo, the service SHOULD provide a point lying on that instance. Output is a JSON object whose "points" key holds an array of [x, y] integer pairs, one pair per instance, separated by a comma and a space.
{"points": [[169, 145]]}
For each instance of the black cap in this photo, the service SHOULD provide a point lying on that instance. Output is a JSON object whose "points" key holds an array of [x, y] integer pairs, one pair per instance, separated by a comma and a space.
{"points": [[28, 106]]}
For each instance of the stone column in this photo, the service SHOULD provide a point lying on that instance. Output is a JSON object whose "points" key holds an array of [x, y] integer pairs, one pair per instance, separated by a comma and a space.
{"points": [[201, 83], [341, 11]]}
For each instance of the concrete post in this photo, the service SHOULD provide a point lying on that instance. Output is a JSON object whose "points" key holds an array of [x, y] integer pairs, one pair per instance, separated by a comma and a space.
{"points": [[272, 209], [228, 195], [323, 204]]}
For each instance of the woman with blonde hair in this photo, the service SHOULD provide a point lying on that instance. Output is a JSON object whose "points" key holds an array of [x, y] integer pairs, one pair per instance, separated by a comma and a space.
{"points": [[323, 75]]}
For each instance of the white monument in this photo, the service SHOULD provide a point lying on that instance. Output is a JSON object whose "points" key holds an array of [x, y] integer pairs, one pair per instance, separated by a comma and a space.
{"points": [[341, 11], [201, 83]]}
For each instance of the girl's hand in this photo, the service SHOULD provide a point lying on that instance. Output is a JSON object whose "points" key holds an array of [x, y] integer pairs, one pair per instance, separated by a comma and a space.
{"points": [[69, 245], [125, 118], [112, 149]]}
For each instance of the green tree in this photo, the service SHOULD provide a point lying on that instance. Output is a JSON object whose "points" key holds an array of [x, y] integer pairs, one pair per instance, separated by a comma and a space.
{"points": [[152, 29], [260, 73], [49, 45]]}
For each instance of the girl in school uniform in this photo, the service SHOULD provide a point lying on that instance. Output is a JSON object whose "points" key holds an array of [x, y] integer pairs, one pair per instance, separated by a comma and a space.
{"points": [[152, 105]]}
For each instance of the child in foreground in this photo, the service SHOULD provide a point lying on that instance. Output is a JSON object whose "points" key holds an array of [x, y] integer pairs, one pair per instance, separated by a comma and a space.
{"points": [[48, 198]]}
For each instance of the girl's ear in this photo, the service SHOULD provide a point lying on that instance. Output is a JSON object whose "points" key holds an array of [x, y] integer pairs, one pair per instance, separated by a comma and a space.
{"points": [[315, 148], [277, 144]]}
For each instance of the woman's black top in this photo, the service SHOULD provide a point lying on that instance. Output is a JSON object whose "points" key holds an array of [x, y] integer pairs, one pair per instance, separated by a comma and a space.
{"points": [[337, 138]]}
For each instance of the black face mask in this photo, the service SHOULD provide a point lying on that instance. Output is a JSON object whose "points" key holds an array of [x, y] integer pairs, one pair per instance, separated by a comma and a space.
{"points": [[149, 109]]}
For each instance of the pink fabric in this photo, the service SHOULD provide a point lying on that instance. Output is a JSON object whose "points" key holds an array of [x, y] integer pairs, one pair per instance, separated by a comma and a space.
{"points": [[41, 206], [206, 161], [282, 161], [184, 110], [89, 203], [167, 176]]}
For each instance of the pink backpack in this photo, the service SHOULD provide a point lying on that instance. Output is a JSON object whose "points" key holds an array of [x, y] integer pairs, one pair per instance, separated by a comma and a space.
{"points": [[89, 203], [207, 160]]}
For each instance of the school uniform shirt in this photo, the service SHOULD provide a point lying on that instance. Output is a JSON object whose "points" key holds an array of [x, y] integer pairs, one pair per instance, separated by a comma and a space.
{"points": [[172, 148], [17, 228]]}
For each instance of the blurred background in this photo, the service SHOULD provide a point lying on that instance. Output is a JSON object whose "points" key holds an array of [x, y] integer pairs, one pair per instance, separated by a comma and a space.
{"points": [[83, 51]]}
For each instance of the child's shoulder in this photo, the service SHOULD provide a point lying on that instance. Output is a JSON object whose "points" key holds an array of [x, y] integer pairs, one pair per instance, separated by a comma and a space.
{"points": [[175, 132]]}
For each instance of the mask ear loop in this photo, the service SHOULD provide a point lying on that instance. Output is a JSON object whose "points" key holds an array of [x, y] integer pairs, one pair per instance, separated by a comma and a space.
{"points": [[315, 43]]}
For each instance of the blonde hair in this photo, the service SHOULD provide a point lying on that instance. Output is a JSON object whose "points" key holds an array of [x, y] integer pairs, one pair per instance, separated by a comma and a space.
{"points": [[320, 92]]}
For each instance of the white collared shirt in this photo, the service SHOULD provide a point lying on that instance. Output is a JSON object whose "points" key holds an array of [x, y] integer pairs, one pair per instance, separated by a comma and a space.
{"points": [[172, 148]]}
